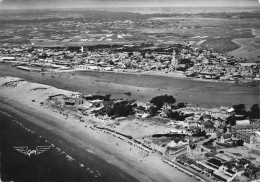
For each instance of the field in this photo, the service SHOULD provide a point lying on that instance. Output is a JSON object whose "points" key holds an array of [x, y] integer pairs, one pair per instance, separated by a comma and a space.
{"points": [[52, 27]]}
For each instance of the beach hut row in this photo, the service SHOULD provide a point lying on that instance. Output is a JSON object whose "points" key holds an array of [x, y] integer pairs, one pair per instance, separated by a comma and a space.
{"points": [[180, 150], [134, 142], [126, 138]]}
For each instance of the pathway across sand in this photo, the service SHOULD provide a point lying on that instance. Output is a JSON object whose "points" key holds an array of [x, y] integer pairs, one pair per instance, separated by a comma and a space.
{"points": [[249, 48]]}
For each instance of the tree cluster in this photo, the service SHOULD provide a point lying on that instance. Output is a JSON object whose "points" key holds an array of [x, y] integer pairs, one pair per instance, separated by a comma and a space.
{"points": [[254, 112], [159, 101], [121, 109], [177, 115]]}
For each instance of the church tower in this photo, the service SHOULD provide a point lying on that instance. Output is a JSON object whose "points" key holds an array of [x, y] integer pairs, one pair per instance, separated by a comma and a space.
{"points": [[82, 49], [174, 61]]}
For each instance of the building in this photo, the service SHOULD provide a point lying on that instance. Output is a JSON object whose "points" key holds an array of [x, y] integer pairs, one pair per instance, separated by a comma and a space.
{"points": [[215, 163], [196, 151], [247, 64], [6, 59], [257, 136], [246, 137], [80, 66], [174, 61], [216, 113], [243, 122], [251, 128], [224, 170], [225, 138], [82, 49], [209, 129]]}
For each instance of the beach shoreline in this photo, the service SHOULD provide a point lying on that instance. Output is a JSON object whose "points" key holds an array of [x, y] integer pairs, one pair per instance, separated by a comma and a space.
{"points": [[60, 142], [104, 146]]}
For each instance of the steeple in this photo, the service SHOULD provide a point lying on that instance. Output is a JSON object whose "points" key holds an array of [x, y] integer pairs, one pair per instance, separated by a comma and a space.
{"points": [[174, 61], [82, 49]]}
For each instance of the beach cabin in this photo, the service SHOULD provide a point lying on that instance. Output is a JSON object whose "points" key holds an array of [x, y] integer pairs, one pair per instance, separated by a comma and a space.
{"points": [[8, 59], [243, 122]]}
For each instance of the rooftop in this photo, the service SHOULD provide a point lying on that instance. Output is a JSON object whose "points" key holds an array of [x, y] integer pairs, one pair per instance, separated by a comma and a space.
{"points": [[251, 126], [215, 162], [244, 133]]}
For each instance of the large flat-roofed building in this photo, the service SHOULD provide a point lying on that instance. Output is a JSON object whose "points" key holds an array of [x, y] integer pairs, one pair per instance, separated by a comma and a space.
{"points": [[245, 128], [246, 137]]}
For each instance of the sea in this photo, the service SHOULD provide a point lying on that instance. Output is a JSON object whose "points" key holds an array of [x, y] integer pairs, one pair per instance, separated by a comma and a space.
{"points": [[181, 10], [60, 161], [78, 12]]}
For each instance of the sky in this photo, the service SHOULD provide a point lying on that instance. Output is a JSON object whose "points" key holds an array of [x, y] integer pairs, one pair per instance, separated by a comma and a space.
{"points": [[124, 3]]}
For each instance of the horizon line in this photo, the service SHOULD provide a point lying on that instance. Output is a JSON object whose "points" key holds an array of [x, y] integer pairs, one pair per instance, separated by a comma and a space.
{"points": [[96, 7]]}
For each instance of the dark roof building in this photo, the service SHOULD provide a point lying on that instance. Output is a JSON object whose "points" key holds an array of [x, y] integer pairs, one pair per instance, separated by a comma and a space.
{"points": [[215, 163]]}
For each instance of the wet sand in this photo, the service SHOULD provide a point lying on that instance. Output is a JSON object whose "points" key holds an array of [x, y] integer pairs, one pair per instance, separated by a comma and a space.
{"points": [[144, 87], [51, 165]]}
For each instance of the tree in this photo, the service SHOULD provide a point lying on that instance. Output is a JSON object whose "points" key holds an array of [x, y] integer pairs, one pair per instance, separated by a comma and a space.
{"points": [[235, 144], [176, 115], [255, 112], [224, 129], [172, 115], [159, 101], [121, 109], [153, 111], [240, 143], [107, 97], [180, 105], [231, 120], [240, 109]]}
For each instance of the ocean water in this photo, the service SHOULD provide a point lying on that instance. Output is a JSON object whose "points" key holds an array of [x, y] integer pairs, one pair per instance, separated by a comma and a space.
{"points": [[38, 14], [181, 10], [63, 163]]}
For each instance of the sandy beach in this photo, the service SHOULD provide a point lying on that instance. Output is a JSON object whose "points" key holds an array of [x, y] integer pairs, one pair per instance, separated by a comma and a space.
{"points": [[117, 152]]}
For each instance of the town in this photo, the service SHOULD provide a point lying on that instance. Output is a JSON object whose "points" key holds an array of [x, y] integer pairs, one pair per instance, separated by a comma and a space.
{"points": [[218, 144], [183, 58], [45, 60], [221, 144]]}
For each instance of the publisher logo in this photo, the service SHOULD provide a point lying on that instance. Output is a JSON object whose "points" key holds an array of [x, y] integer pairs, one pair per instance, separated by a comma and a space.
{"points": [[37, 151]]}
